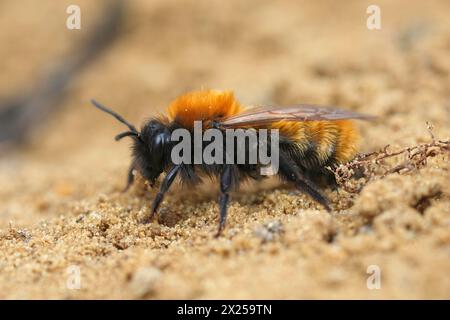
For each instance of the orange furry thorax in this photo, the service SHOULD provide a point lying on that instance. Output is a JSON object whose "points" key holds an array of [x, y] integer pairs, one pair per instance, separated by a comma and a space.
{"points": [[210, 105], [203, 105]]}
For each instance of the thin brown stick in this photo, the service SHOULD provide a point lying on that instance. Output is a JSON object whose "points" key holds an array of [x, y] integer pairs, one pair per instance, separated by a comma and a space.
{"points": [[354, 175]]}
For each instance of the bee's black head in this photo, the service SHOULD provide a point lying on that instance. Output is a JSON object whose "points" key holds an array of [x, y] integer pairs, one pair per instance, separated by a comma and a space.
{"points": [[150, 149], [149, 145]]}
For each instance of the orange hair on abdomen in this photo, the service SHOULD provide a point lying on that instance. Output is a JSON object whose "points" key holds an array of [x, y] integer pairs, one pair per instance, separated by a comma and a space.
{"points": [[337, 139], [348, 140]]}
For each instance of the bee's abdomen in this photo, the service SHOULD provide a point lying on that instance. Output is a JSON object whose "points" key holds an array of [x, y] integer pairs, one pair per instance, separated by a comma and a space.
{"points": [[316, 144]]}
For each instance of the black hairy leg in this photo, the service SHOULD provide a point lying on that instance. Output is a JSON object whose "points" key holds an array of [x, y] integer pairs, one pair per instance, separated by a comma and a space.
{"points": [[226, 183], [130, 178], [165, 185], [289, 171]]}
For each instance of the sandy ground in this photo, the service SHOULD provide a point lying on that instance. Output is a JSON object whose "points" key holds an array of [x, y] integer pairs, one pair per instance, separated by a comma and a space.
{"points": [[61, 210]]}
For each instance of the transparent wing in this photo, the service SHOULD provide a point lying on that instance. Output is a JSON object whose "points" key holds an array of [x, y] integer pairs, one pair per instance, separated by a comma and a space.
{"points": [[301, 112]]}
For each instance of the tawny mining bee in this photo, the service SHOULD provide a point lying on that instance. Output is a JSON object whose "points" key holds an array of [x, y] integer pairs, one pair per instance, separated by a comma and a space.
{"points": [[311, 138]]}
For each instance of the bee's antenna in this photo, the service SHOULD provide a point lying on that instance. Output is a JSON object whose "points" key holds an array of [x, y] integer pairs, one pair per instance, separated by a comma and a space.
{"points": [[118, 117], [126, 134]]}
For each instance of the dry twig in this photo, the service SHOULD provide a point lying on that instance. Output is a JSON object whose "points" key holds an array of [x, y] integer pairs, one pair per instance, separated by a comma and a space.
{"points": [[354, 175]]}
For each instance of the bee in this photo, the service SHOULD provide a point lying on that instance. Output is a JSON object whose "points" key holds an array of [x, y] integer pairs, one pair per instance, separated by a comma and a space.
{"points": [[311, 138]]}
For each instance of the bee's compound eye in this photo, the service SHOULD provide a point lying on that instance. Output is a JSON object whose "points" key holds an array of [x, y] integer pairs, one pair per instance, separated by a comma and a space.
{"points": [[154, 126], [159, 139]]}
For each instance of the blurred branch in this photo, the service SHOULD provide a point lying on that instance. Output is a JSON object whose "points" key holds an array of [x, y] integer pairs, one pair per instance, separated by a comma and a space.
{"points": [[20, 114]]}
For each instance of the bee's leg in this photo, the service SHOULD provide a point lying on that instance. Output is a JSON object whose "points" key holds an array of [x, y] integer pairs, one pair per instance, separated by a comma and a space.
{"points": [[130, 178], [226, 183], [165, 185], [290, 172]]}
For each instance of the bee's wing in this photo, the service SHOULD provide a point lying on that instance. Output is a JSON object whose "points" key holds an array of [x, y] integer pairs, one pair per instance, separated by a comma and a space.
{"points": [[301, 112]]}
